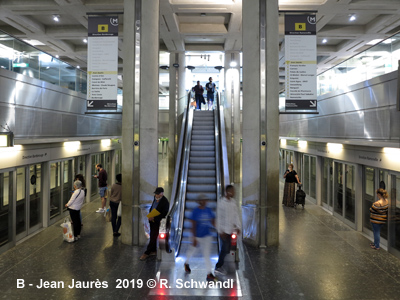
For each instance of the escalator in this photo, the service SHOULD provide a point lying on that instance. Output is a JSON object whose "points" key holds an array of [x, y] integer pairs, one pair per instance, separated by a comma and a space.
{"points": [[201, 172], [201, 168]]}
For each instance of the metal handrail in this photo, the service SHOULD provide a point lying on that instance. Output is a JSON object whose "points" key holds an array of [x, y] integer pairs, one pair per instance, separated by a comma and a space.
{"points": [[224, 151], [180, 177]]}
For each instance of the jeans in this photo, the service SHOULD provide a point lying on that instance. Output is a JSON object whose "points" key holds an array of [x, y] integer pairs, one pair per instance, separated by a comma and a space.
{"points": [[114, 209], [198, 101], [377, 233], [225, 249], [76, 220], [154, 230], [204, 243], [102, 191]]}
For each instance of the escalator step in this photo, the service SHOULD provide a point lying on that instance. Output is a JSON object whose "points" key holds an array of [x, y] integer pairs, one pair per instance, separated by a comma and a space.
{"points": [[201, 188], [202, 180], [202, 148], [202, 142], [202, 173], [203, 137], [205, 127], [202, 153], [192, 204], [197, 166], [201, 159], [203, 132], [194, 196]]}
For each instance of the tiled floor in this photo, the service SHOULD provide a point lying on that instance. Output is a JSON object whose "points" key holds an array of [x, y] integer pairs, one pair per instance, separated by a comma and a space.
{"points": [[318, 258]]}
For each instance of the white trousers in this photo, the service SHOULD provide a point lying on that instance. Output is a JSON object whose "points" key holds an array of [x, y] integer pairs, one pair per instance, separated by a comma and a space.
{"points": [[204, 243]]}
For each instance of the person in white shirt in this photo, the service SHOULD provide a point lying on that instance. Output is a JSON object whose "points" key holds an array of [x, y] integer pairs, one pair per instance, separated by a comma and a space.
{"points": [[74, 206], [228, 221]]}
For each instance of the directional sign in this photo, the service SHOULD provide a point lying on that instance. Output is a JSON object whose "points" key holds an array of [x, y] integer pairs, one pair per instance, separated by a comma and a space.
{"points": [[102, 63], [301, 62]]}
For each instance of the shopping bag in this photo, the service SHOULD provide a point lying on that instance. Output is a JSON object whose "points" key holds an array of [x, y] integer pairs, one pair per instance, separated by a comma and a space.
{"points": [[193, 103], [119, 211], [68, 232], [108, 215]]}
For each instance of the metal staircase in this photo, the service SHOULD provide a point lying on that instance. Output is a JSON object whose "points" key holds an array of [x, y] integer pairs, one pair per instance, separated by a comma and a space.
{"points": [[202, 177]]}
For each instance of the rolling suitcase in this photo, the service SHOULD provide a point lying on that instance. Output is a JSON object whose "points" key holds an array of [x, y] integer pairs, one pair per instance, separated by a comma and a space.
{"points": [[300, 197]]}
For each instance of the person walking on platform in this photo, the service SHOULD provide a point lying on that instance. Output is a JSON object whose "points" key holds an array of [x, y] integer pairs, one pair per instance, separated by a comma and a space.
{"points": [[74, 206], [202, 219], [102, 177], [198, 93], [290, 186], [161, 205], [115, 201], [210, 87], [228, 222], [378, 216]]}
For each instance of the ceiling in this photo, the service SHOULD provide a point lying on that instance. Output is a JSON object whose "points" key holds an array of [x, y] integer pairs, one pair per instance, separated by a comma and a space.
{"points": [[207, 25]]}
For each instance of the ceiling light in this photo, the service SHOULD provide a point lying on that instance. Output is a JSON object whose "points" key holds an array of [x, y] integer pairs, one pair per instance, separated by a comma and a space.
{"points": [[233, 64], [324, 41], [106, 142], [57, 56], [388, 41], [352, 18], [283, 142], [85, 40], [302, 144], [56, 18], [78, 67], [335, 148]]}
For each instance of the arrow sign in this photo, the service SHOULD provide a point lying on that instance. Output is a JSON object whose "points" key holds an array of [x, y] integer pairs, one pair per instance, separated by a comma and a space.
{"points": [[90, 104], [313, 103]]}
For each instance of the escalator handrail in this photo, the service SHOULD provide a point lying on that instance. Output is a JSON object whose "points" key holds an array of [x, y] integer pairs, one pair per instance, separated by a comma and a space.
{"points": [[180, 177], [224, 151]]}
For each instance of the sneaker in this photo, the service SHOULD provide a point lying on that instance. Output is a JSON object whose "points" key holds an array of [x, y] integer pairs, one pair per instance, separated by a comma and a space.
{"points": [[221, 271], [211, 277], [116, 234], [76, 238], [100, 210], [153, 253], [188, 270], [144, 257]]}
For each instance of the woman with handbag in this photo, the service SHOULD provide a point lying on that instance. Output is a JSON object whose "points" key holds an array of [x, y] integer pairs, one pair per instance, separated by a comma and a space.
{"points": [[115, 201], [289, 191], [378, 216], [74, 206]]}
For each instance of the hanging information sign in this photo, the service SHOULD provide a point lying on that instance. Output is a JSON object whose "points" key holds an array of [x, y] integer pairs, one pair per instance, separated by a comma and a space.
{"points": [[301, 62], [102, 63]]}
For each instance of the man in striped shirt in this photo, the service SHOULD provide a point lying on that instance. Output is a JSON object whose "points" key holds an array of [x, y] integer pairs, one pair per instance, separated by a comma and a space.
{"points": [[228, 221]]}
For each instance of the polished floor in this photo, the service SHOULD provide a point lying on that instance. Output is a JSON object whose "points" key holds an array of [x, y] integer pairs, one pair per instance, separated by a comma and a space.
{"points": [[318, 258]]}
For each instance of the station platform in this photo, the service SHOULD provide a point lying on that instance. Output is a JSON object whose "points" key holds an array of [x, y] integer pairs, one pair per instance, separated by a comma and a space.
{"points": [[318, 258]]}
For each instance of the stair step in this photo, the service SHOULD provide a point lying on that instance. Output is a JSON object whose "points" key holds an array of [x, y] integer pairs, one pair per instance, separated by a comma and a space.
{"points": [[202, 180], [202, 153], [202, 148], [192, 204], [203, 127], [197, 166], [202, 142], [201, 173], [201, 188], [201, 159], [194, 196], [203, 137]]}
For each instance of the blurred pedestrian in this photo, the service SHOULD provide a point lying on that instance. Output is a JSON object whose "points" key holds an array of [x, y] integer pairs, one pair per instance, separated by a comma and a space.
{"points": [[115, 201], [289, 191], [378, 216]]}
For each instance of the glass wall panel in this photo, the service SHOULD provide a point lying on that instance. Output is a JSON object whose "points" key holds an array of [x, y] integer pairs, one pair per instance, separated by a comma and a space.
{"points": [[350, 195], [395, 212], [6, 51], [67, 76], [338, 182], [6, 184], [55, 189], [325, 177], [49, 69], [369, 194], [118, 161], [35, 194], [21, 202], [68, 182], [96, 158], [306, 171], [313, 177], [26, 59]]}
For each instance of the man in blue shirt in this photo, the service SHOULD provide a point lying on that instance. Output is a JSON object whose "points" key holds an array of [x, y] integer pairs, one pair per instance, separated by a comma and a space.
{"points": [[210, 87], [202, 219]]}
